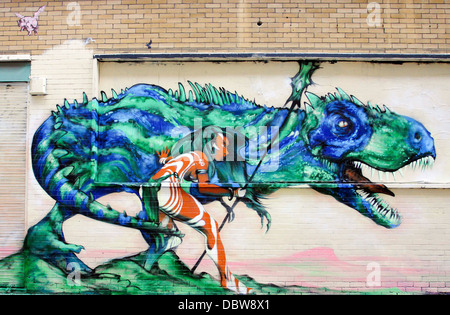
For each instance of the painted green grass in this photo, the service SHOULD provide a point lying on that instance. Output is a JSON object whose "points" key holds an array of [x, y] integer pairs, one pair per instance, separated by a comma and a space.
{"points": [[27, 274]]}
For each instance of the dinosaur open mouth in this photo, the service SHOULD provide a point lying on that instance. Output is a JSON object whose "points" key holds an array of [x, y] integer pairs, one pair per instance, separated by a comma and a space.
{"points": [[381, 211], [353, 174]]}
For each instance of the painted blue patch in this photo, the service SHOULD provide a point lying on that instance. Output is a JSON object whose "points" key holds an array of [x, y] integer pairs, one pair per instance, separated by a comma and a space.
{"points": [[142, 215], [82, 111], [57, 190], [147, 90], [236, 107], [150, 124], [204, 199], [420, 138], [71, 197], [124, 219], [137, 166], [344, 128]]}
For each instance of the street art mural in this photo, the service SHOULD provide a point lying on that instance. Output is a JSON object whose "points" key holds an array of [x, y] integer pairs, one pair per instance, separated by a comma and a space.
{"points": [[178, 151], [30, 23]]}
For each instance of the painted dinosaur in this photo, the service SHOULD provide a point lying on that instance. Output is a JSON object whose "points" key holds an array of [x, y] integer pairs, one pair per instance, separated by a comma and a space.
{"points": [[92, 148]]}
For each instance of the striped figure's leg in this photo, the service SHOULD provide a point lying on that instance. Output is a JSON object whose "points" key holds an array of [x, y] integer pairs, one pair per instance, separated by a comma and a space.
{"points": [[182, 207]]}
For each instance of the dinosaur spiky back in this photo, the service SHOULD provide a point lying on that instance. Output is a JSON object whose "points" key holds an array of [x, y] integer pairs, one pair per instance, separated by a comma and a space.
{"points": [[316, 102], [210, 95], [115, 139], [87, 146], [62, 152]]}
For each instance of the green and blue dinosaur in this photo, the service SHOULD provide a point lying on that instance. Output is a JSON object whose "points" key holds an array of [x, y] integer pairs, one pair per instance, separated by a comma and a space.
{"points": [[90, 148]]}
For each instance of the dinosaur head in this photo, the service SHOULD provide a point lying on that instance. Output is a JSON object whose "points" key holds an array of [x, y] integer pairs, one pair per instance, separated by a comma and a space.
{"points": [[346, 134]]}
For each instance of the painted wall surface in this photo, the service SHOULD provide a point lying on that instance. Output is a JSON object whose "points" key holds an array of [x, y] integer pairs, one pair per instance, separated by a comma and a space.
{"points": [[314, 241], [313, 234]]}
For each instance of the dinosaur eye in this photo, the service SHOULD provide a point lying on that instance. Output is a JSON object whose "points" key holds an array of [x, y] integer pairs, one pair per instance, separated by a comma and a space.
{"points": [[417, 137], [342, 127]]}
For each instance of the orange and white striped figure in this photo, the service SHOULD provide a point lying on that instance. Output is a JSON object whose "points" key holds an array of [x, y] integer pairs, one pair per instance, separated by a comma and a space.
{"points": [[179, 205]]}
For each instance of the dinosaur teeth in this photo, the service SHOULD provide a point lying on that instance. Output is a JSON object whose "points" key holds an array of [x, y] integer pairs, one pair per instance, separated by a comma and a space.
{"points": [[384, 176], [331, 166], [380, 208], [423, 164]]}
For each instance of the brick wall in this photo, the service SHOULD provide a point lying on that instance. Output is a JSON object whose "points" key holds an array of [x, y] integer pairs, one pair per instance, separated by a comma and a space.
{"points": [[397, 26]]}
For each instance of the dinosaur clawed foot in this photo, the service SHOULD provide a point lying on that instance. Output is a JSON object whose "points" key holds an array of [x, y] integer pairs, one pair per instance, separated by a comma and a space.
{"points": [[72, 248]]}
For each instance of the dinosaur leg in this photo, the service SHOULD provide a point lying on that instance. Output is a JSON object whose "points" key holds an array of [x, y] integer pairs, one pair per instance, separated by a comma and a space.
{"points": [[46, 240], [184, 208], [158, 242]]}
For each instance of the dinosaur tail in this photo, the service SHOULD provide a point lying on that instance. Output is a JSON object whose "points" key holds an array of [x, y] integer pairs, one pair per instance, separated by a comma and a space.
{"points": [[62, 166], [55, 165]]}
